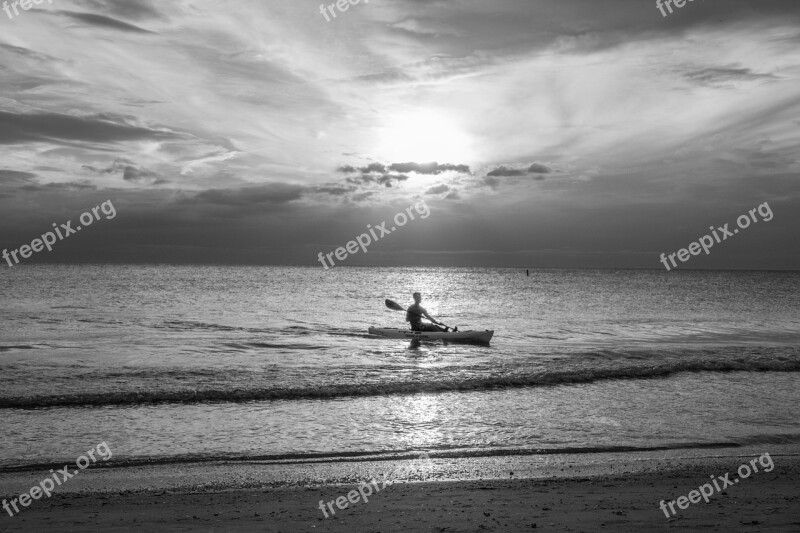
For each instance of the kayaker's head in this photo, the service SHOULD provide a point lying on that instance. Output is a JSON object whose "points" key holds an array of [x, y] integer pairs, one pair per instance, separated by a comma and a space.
{"points": [[417, 297]]}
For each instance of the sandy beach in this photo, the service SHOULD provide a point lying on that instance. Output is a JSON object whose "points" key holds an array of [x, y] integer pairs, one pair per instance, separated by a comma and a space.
{"points": [[581, 492]]}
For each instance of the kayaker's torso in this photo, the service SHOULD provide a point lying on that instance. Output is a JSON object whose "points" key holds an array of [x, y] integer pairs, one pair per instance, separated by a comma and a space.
{"points": [[414, 313]]}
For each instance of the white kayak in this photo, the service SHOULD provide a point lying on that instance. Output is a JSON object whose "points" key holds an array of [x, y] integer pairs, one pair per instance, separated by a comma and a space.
{"points": [[462, 336]]}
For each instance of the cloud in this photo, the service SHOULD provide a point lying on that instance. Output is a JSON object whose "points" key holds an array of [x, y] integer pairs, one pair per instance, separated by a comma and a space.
{"points": [[15, 177], [387, 180], [719, 76], [414, 26], [505, 171], [438, 189], [373, 167], [132, 9], [492, 182], [270, 194], [105, 22], [387, 76], [539, 168], [419, 168], [333, 190], [70, 186], [130, 172], [428, 168], [135, 175], [389, 175], [18, 128], [360, 197]]}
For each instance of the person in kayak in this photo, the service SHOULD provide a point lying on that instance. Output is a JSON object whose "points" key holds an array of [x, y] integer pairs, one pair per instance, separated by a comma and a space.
{"points": [[415, 313]]}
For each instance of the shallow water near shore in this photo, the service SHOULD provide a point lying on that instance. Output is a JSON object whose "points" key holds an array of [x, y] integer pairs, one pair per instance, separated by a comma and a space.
{"points": [[172, 364]]}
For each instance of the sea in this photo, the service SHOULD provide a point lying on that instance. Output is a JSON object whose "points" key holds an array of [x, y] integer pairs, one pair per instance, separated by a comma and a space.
{"points": [[172, 364]]}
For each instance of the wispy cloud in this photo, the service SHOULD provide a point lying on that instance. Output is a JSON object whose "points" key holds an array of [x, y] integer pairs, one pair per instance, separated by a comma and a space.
{"points": [[556, 115]]}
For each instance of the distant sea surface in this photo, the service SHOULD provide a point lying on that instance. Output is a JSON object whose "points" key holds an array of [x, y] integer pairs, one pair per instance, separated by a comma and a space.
{"points": [[172, 363]]}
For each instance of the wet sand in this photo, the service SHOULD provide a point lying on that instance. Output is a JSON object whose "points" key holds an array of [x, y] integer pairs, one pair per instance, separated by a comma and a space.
{"points": [[590, 492]]}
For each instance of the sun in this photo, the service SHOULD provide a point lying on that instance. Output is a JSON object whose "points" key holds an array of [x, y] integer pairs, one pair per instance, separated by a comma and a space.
{"points": [[423, 137]]}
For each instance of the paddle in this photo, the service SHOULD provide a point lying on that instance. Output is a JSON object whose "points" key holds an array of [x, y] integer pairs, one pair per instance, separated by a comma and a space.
{"points": [[397, 307], [394, 305]]}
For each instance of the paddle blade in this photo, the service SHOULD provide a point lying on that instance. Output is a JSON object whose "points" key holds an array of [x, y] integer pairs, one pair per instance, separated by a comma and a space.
{"points": [[394, 305]]}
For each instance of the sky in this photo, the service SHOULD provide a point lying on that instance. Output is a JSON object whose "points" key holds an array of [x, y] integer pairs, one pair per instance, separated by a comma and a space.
{"points": [[538, 133]]}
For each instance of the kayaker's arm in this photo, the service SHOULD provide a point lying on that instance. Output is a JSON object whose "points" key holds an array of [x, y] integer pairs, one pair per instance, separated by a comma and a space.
{"points": [[429, 317], [421, 312]]}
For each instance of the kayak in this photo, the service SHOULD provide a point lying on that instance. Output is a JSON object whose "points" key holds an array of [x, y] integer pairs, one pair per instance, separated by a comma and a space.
{"points": [[462, 336]]}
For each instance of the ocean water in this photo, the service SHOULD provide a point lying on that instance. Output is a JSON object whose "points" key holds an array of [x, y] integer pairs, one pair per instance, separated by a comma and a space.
{"points": [[174, 363]]}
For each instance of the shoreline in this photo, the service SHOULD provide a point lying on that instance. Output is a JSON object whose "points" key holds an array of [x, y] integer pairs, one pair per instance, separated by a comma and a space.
{"points": [[589, 492]]}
